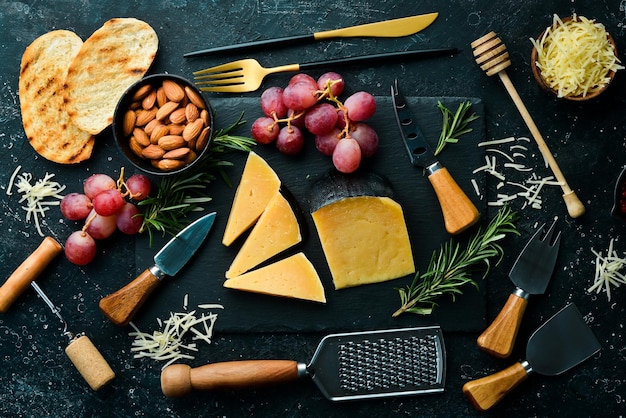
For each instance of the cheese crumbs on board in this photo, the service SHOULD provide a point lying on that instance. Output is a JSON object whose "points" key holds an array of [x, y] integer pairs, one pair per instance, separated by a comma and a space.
{"points": [[575, 56], [38, 196]]}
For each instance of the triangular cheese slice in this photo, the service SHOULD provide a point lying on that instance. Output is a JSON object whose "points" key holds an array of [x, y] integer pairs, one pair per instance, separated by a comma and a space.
{"points": [[276, 230], [259, 183], [292, 277]]}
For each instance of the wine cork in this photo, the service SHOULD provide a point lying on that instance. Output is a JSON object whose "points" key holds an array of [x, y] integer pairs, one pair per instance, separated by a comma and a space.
{"points": [[28, 271], [89, 362]]}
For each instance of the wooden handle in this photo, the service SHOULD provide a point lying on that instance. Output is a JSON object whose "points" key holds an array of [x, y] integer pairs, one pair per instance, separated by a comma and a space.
{"points": [[498, 339], [485, 392], [180, 379], [89, 362], [121, 306], [459, 213], [28, 271], [575, 207]]}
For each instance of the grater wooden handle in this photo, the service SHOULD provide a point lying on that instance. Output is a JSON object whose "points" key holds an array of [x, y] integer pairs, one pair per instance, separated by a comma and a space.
{"points": [[498, 339], [485, 392], [180, 379]]}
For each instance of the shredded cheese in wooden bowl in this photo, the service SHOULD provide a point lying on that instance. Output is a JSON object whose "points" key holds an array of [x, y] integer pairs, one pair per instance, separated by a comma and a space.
{"points": [[575, 58]]}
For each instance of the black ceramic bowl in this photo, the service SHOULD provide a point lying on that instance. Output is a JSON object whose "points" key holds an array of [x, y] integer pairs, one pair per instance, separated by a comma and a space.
{"points": [[141, 121]]}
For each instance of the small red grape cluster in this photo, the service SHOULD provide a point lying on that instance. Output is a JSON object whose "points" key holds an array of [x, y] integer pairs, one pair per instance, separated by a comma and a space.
{"points": [[313, 106], [104, 208]]}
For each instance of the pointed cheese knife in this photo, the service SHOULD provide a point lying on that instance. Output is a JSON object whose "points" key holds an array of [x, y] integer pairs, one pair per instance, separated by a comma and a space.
{"points": [[121, 306], [393, 28]]}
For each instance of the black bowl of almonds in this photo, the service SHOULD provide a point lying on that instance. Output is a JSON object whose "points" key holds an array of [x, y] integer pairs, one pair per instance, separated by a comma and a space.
{"points": [[163, 124]]}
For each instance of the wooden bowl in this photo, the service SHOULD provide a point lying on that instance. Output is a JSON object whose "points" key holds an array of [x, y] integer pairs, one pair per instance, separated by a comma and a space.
{"points": [[592, 93]]}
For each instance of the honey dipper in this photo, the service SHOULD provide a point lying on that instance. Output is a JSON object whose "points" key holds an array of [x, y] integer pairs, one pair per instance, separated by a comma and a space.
{"points": [[80, 350], [492, 57]]}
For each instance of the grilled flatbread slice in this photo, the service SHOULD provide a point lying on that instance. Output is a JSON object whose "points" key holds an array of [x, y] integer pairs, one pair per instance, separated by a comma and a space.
{"points": [[47, 124], [115, 56]]}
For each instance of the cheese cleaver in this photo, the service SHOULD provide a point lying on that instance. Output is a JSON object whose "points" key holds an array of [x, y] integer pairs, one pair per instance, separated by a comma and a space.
{"points": [[459, 213], [561, 343], [121, 306]]}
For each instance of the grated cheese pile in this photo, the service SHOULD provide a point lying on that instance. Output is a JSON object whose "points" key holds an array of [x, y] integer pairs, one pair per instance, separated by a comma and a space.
{"points": [[608, 271], [575, 57], [513, 156], [39, 196], [171, 343]]}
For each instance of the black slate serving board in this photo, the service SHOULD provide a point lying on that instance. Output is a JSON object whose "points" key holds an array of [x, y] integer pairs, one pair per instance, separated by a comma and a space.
{"points": [[360, 308]]}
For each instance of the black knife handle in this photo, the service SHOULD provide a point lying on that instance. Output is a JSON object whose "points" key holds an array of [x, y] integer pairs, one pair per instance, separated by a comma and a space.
{"points": [[287, 40], [377, 58]]}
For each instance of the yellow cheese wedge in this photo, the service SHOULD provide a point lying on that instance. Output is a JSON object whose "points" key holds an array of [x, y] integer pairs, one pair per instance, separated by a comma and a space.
{"points": [[276, 230], [292, 277], [365, 240], [259, 183]]}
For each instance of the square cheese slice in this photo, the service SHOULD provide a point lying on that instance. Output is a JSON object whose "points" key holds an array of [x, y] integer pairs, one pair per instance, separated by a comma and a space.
{"points": [[259, 183], [365, 240], [292, 277], [276, 230]]}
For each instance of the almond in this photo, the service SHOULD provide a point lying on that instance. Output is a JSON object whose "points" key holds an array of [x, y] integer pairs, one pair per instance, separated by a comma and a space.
{"points": [[142, 92], [166, 110], [158, 132], [203, 139], [178, 116], [141, 136], [153, 152], [129, 122], [173, 90], [204, 115], [151, 125], [177, 154], [191, 112], [161, 97], [135, 147], [176, 129], [169, 165], [145, 116], [194, 97], [170, 142], [149, 101], [193, 129]]}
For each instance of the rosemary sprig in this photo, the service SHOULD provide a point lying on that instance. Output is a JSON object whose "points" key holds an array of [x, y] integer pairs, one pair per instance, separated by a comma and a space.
{"points": [[451, 267], [178, 195], [454, 124]]}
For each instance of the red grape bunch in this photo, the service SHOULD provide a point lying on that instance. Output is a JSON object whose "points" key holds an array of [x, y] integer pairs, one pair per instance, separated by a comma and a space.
{"points": [[104, 208], [305, 105]]}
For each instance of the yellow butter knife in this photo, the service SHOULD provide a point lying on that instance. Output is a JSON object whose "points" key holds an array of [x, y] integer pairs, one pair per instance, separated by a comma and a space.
{"points": [[393, 28]]}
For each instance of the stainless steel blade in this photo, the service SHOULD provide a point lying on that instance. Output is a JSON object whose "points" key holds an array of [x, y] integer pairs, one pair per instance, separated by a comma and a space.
{"points": [[177, 252], [420, 152], [562, 342]]}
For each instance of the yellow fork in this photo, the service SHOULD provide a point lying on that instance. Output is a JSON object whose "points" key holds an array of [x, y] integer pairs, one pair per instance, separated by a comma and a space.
{"points": [[247, 75], [237, 76]]}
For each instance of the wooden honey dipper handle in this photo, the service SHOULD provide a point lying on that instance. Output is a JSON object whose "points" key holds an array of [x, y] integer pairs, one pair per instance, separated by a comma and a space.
{"points": [[491, 55]]}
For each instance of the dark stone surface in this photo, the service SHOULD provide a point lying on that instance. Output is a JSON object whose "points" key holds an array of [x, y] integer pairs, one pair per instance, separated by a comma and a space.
{"points": [[586, 138]]}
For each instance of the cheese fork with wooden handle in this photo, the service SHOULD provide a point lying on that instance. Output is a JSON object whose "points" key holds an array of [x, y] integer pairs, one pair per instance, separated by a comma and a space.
{"points": [[530, 274], [491, 54], [347, 366], [561, 343], [393, 28]]}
